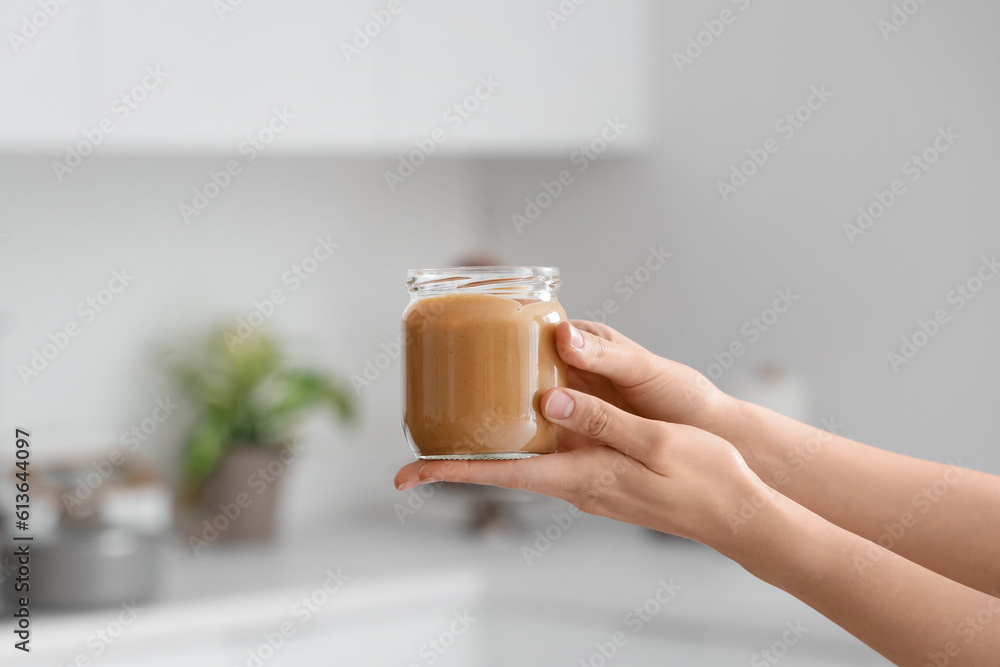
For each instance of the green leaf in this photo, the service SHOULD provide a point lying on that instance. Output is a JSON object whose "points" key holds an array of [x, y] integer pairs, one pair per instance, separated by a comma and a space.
{"points": [[206, 387], [247, 395], [341, 402], [205, 446]]}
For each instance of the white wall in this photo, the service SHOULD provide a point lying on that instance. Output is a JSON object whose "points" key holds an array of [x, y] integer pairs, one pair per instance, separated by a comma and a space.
{"points": [[783, 229], [64, 241]]}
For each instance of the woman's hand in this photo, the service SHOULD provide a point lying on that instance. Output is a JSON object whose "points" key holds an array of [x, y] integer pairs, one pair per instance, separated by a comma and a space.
{"points": [[606, 364], [675, 476], [669, 477], [841, 480]]}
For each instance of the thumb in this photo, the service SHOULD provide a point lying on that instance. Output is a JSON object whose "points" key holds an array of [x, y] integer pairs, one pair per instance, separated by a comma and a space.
{"points": [[599, 420]]}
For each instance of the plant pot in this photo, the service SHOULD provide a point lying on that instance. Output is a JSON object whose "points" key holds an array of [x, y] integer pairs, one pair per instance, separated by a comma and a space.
{"points": [[239, 499]]}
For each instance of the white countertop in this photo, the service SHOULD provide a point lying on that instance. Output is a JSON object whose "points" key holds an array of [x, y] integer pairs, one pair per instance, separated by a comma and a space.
{"points": [[404, 581]]}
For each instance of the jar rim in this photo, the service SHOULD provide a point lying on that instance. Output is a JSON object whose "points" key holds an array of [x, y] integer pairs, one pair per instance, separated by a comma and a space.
{"points": [[508, 280], [505, 271]]}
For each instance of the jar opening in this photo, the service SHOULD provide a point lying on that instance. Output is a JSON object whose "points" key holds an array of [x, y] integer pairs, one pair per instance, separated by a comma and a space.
{"points": [[540, 282]]}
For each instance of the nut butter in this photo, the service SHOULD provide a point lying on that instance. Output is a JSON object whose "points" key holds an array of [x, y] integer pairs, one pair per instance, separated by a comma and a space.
{"points": [[479, 353]]}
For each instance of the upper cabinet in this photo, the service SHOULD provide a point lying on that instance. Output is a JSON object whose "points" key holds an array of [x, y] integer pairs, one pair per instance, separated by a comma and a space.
{"points": [[554, 77], [352, 77], [42, 72], [233, 67]]}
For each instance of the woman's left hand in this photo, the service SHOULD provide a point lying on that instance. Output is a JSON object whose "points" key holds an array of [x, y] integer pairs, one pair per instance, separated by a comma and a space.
{"points": [[670, 477]]}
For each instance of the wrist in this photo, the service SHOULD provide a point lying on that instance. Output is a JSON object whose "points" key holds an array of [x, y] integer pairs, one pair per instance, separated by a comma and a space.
{"points": [[745, 426], [767, 531], [796, 550], [737, 514], [738, 423]]}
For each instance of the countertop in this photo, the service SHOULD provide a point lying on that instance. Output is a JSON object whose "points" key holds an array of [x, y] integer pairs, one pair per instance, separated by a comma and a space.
{"points": [[555, 592]]}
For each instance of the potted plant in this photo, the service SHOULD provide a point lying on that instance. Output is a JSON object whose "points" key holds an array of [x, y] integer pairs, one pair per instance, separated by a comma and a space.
{"points": [[248, 402]]}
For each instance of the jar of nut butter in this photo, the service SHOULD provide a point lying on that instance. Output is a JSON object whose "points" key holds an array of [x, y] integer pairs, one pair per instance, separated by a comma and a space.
{"points": [[479, 353]]}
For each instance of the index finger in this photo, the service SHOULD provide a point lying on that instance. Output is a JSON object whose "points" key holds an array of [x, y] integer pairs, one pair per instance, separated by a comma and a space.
{"points": [[605, 332], [627, 365]]}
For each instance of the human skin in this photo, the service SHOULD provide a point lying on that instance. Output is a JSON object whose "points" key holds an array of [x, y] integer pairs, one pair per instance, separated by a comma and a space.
{"points": [[796, 506]]}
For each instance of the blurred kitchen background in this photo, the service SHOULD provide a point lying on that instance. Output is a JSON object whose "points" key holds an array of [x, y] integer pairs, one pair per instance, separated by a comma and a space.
{"points": [[213, 152]]}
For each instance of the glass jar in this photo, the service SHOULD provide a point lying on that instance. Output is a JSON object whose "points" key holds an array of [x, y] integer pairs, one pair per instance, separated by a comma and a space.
{"points": [[479, 353]]}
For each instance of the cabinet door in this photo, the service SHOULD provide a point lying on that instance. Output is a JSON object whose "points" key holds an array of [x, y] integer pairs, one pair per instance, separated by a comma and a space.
{"points": [[509, 78], [230, 64], [41, 76], [560, 77]]}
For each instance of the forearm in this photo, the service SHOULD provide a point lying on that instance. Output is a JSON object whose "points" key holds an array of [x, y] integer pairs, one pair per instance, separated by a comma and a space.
{"points": [[943, 517], [902, 610]]}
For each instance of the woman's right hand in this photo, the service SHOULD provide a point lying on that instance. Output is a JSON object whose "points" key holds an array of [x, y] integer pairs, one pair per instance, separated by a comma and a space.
{"points": [[606, 364]]}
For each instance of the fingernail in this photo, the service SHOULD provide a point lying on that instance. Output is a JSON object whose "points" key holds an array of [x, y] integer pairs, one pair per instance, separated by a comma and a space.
{"points": [[575, 337], [559, 406], [406, 485]]}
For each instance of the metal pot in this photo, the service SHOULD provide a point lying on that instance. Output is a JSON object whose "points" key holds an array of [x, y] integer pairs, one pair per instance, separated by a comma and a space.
{"points": [[90, 566]]}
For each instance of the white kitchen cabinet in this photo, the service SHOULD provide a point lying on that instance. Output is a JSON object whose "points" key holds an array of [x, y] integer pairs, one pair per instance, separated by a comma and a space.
{"points": [[557, 85], [229, 70], [357, 77], [41, 75]]}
